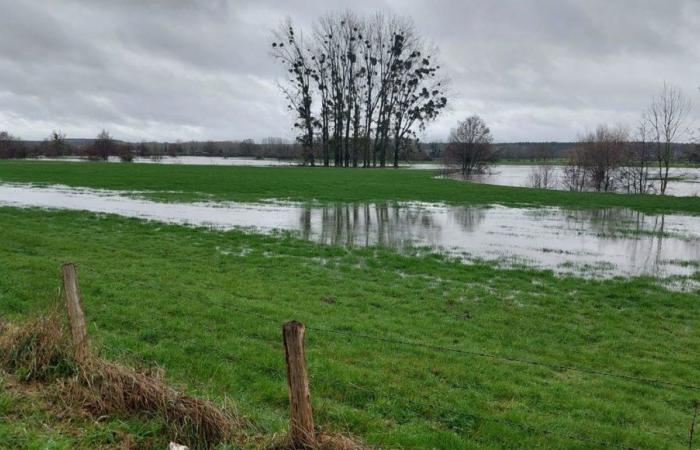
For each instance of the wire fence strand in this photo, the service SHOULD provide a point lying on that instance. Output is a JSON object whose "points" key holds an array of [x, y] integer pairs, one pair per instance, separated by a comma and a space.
{"points": [[433, 406], [557, 367], [493, 356], [508, 422]]}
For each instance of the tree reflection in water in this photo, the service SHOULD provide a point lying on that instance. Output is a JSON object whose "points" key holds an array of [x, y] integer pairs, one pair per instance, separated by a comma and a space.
{"points": [[622, 241], [607, 241], [384, 224]]}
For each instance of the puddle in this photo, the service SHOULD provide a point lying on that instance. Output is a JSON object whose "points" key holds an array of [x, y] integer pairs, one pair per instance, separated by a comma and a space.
{"points": [[589, 242]]}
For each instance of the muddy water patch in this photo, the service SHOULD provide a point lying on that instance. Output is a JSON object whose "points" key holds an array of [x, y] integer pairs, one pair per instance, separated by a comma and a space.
{"points": [[598, 243]]}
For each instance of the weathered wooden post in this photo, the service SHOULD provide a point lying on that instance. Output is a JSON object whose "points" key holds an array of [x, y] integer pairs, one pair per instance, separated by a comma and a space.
{"points": [[301, 419], [75, 312]]}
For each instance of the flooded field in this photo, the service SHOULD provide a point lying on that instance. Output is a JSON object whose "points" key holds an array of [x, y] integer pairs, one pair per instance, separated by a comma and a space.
{"points": [[192, 160], [590, 242], [685, 182]]}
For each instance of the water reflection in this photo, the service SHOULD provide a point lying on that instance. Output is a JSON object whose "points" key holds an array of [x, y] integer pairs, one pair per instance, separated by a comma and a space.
{"points": [[684, 182], [600, 242], [188, 160], [608, 241], [380, 224]]}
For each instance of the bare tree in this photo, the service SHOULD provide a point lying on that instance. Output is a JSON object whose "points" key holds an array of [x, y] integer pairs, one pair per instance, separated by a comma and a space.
{"points": [[634, 176], [103, 147], [597, 160], [11, 146], [157, 152], [666, 118], [604, 151], [469, 149], [574, 177], [57, 144], [289, 50], [142, 150], [366, 85], [126, 152], [543, 174]]}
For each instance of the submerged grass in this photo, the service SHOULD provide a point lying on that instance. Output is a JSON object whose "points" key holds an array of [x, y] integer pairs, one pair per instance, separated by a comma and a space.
{"points": [[208, 306], [189, 183]]}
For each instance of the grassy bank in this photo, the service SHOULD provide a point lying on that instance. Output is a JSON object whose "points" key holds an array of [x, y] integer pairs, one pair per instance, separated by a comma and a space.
{"points": [[208, 306], [174, 182]]}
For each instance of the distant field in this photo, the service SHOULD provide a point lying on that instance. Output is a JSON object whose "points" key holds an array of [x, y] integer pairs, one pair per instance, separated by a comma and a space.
{"points": [[189, 183], [208, 306]]}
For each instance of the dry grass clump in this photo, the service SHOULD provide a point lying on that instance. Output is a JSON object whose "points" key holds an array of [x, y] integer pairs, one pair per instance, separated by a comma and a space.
{"points": [[40, 349], [331, 441], [105, 388]]}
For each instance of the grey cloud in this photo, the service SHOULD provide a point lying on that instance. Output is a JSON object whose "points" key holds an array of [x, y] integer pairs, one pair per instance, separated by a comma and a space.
{"points": [[186, 69]]}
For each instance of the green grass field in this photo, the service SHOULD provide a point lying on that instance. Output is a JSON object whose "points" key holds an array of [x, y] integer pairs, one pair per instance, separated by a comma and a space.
{"points": [[186, 183], [453, 367]]}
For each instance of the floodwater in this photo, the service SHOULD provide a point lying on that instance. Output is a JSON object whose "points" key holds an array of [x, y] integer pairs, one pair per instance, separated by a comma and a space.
{"points": [[192, 160], [589, 242], [519, 175]]}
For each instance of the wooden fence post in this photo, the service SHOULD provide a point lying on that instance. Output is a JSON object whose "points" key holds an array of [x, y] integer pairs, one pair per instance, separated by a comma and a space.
{"points": [[75, 312], [301, 419]]}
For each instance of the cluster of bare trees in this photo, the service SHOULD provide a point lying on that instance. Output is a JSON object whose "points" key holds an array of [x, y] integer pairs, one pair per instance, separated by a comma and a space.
{"points": [[469, 149], [359, 88], [610, 159], [666, 119], [595, 162], [543, 175], [11, 146], [104, 146]]}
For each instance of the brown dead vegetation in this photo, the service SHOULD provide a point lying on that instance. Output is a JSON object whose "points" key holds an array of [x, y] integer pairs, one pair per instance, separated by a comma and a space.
{"points": [[40, 352]]}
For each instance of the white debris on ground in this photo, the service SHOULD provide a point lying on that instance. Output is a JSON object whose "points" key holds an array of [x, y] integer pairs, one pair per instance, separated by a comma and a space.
{"points": [[174, 446]]}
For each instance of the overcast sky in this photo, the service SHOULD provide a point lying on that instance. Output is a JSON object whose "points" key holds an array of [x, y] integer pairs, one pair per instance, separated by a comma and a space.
{"points": [[535, 70]]}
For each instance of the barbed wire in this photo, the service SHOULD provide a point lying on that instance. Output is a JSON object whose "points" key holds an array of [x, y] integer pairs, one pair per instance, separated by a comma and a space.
{"points": [[557, 367], [318, 381], [477, 417], [523, 426], [280, 372]]}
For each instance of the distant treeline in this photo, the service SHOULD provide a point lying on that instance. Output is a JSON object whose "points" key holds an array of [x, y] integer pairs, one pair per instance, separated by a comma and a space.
{"points": [[511, 151], [533, 151], [104, 147], [57, 145]]}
